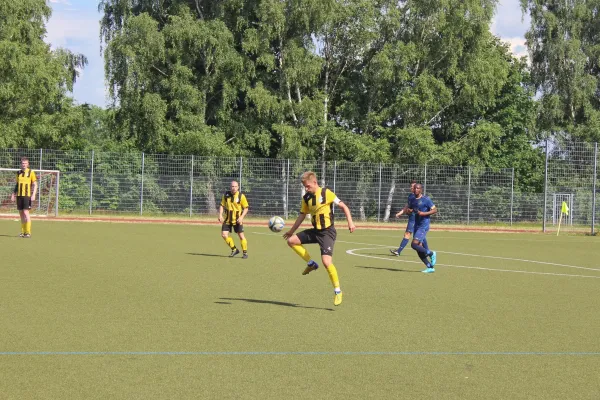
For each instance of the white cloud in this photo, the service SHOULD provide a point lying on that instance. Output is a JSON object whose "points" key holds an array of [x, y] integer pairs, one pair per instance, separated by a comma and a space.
{"points": [[510, 25], [65, 2], [509, 20], [79, 31], [69, 26], [517, 46]]}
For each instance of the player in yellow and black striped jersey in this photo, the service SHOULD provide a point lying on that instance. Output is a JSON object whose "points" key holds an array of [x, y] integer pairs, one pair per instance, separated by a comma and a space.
{"points": [[24, 194], [318, 202], [235, 205]]}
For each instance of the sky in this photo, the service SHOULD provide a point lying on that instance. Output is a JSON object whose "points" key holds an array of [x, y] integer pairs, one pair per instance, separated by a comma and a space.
{"points": [[75, 25]]}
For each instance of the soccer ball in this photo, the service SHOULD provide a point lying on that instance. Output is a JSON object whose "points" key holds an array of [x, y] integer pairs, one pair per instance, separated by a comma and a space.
{"points": [[276, 224]]}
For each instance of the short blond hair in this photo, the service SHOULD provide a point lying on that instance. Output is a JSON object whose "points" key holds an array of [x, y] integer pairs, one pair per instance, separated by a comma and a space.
{"points": [[308, 175]]}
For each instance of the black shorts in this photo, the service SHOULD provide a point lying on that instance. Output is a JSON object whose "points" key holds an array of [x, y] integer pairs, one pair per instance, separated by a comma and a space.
{"points": [[325, 238], [23, 203], [229, 227]]}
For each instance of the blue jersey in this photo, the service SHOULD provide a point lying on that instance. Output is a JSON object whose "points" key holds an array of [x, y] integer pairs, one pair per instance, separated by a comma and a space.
{"points": [[411, 216], [424, 204]]}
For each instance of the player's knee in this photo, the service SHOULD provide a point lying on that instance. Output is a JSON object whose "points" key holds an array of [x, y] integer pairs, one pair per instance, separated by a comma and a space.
{"points": [[415, 244], [224, 235], [293, 241], [406, 235]]}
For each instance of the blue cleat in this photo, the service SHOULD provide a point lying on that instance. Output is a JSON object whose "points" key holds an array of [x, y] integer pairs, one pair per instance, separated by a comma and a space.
{"points": [[428, 270], [433, 258]]}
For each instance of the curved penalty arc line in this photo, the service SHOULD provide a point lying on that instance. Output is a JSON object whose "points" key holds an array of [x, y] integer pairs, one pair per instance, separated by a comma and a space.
{"points": [[379, 246], [352, 252]]}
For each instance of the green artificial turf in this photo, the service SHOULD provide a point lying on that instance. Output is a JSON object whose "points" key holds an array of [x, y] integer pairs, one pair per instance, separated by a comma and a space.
{"points": [[138, 311]]}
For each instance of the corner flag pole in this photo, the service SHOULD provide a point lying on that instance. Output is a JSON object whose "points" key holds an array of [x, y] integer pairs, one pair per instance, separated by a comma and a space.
{"points": [[564, 209]]}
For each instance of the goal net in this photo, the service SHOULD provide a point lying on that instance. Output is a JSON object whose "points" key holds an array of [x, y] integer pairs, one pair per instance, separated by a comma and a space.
{"points": [[46, 201]]}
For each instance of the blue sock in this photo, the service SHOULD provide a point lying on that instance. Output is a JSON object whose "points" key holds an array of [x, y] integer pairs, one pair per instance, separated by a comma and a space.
{"points": [[423, 257], [425, 245], [402, 245]]}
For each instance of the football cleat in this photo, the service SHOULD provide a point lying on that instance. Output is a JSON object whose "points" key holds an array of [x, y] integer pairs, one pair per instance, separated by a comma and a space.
{"points": [[21, 235], [337, 298], [245, 255], [395, 252], [27, 235], [433, 258], [311, 266], [428, 270], [234, 253]]}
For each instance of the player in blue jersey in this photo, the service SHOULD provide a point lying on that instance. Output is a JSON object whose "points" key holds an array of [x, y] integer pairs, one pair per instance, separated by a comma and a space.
{"points": [[424, 208], [410, 226]]}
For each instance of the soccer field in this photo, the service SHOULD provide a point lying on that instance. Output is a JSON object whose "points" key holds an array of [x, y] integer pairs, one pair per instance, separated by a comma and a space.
{"points": [[138, 311]]}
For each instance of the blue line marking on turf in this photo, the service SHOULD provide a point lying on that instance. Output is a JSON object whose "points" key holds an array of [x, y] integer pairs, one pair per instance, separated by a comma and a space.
{"points": [[295, 353]]}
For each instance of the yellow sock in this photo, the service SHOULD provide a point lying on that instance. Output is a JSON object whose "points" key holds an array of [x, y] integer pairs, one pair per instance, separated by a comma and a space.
{"points": [[28, 227], [302, 252], [244, 245], [23, 228], [230, 242], [333, 276]]}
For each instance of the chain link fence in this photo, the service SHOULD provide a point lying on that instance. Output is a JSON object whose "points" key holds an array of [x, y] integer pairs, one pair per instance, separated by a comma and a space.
{"points": [[156, 184]]}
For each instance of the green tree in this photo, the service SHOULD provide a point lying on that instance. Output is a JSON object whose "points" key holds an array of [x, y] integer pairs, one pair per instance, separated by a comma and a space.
{"points": [[171, 72], [565, 66], [35, 110]]}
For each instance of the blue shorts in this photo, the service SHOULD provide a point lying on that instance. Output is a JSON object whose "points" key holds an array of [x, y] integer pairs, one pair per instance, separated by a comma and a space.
{"points": [[421, 232], [410, 227]]}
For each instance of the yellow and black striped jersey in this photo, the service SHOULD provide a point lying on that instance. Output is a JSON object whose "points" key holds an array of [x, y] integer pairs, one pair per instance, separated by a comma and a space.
{"points": [[24, 181], [320, 207], [233, 204]]}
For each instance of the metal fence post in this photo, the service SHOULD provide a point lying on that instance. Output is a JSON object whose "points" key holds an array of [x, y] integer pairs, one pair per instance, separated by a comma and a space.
{"points": [[469, 197], [56, 195], [142, 186], [512, 195], [334, 174], [287, 190], [240, 183], [192, 186], [40, 197], [594, 186], [545, 187], [92, 183], [379, 200], [425, 181]]}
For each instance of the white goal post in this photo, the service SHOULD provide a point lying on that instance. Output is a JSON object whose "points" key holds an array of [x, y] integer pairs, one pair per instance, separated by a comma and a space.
{"points": [[46, 202]]}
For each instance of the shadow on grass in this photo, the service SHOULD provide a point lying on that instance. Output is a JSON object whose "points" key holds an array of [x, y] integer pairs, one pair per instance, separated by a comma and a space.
{"points": [[387, 269], [208, 255], [277, 303], [10, 236]]}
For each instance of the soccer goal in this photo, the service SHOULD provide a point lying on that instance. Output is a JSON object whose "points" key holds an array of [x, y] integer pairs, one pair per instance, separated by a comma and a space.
{"points": [[46, 202]]}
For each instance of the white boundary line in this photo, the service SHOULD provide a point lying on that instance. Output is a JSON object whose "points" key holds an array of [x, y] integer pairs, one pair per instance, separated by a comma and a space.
{"points": [[377, 246], [351, 252], [520, 259]]}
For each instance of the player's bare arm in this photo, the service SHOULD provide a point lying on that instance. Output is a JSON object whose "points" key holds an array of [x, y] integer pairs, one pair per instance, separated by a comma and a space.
{"points": [[13, 196], [34, 190], [346, 211], [406, 210], [296, 225], [241, 218], [220, 213]]}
